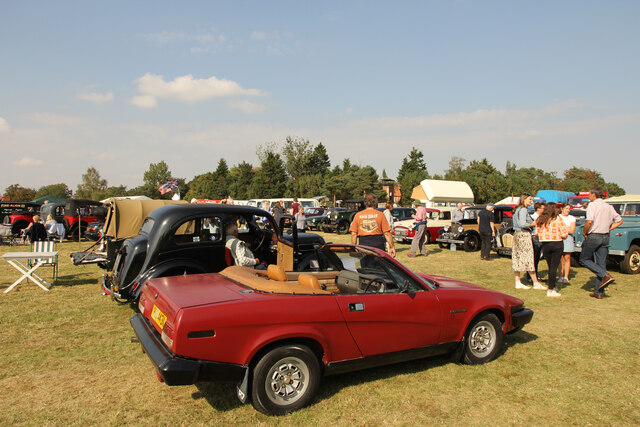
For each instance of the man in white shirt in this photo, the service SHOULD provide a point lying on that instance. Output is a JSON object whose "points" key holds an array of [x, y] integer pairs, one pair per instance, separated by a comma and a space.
{"points": [[457, 215], [601, 219], [241, 254]]}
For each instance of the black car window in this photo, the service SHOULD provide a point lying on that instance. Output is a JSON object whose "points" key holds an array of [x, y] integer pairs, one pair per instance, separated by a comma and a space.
{"points": [[198, 230]]}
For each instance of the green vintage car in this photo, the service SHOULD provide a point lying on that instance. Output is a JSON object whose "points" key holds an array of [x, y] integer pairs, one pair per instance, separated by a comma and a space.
{"points": [[624, 241]]}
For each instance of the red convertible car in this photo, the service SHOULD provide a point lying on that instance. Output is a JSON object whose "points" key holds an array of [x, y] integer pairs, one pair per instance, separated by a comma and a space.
{"points": [[275, 333]]}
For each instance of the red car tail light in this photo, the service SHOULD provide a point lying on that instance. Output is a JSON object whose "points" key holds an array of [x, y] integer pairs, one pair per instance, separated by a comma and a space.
{"points": [[167, 335]]}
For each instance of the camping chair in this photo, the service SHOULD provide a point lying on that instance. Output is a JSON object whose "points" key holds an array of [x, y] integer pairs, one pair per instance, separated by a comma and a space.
{"points": [[46, 247]]}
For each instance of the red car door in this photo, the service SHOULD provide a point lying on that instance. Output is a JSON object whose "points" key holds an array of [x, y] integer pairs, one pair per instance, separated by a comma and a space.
{"points": [[388, 322]]}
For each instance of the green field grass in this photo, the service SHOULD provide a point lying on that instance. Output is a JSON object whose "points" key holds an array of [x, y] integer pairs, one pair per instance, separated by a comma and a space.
{"points": [[66, 358]]}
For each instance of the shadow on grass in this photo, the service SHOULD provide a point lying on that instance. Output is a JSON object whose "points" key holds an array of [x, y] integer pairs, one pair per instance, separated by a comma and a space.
{"points": [[222, 397], [76, 279], [589, 285]]}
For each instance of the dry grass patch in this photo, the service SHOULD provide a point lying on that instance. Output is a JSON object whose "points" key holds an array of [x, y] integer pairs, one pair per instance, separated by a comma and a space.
{"points": [[66, 358]]}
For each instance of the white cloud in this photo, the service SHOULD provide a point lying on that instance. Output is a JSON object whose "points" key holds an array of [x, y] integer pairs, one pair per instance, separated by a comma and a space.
{"points": [[95, 98], [4, 125], [247, 107], [28, 161], [186, 88], [144, 101]]}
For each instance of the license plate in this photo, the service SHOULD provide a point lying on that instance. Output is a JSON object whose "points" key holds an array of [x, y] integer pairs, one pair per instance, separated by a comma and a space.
{"points": [[158, 316]]}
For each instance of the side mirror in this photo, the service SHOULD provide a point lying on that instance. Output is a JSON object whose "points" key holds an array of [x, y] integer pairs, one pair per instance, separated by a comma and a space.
{"points": [[404, 288]]}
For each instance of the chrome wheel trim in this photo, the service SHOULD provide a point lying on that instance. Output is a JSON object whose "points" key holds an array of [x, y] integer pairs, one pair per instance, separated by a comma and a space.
{"points": [[634, 261], [482, 339], [287, 381]]}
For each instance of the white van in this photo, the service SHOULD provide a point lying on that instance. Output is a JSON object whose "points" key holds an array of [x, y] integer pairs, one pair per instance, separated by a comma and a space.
{"points": [[286, 202]]}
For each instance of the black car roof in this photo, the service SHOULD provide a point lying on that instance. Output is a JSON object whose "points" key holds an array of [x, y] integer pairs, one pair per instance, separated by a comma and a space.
{"points": [[176, 212]]}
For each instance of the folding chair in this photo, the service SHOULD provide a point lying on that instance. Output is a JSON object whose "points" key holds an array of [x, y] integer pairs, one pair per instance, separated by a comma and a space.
{"points": [[52, 261]]}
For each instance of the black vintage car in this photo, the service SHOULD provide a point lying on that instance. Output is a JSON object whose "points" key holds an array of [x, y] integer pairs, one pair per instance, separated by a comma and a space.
{"points": [[190, 238], [340, 220], [466, 232]]}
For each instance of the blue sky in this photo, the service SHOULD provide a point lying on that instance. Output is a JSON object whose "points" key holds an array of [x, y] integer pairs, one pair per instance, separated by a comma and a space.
{"points": [[119, 85]]}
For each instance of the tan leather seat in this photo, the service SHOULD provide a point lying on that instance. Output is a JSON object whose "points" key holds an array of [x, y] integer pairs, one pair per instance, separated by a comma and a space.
{"points": [[309, 281], [276, 272]]}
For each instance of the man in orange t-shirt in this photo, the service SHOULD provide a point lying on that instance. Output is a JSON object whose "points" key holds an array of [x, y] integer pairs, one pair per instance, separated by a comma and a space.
{"points": [[370, 227]]}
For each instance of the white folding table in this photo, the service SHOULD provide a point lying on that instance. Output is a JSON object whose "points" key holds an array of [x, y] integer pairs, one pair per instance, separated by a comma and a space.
{"points": [[20, 261]]}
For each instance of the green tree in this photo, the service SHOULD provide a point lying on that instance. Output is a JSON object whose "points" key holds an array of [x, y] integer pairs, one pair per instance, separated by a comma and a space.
{"points": [[116, 191], [456, 166], [58, 190], [318, 163], [412, 171], [240, 179], [270, 180], [18, 193], [313, 185], [581, 179], [487, 183], [528, 180], [201, 187], [153, 178], [220, 183], [92, 186], [296, 152]]}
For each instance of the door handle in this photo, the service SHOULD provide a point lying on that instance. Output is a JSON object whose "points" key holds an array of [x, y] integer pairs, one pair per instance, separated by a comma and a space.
{"points": [[356, 306]]}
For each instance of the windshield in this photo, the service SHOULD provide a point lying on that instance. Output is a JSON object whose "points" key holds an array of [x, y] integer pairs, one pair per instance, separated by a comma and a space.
{"points": [[368, 266]]}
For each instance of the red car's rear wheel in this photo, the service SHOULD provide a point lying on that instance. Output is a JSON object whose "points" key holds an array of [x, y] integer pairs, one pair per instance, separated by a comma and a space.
{"points": [[285, 380]]}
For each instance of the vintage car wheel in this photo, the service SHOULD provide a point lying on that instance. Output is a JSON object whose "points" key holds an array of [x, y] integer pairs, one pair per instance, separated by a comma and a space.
{"points": [[471, 243], [483, 340], [631, 261], [443, 245], [343, 228], [285, 380]]}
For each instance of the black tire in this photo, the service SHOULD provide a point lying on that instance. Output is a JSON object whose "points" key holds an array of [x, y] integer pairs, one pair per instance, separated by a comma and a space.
{"points": [[471, 243], [631, 261], [483, 340], [343, 228], [285, 380], [443, 245], [73, 233]]}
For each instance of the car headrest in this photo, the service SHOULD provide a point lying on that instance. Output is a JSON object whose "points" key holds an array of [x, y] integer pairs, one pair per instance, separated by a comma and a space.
{"points": [[348, 282], [276, 272], [309, 280]]}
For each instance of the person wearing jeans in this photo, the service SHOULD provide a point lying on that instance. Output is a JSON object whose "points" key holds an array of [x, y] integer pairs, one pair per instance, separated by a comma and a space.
{"points": [[601, 219], [417, 245]]}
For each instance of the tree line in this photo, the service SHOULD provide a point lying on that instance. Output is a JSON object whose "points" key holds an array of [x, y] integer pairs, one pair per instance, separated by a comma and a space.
{"points": [[299, 168]]}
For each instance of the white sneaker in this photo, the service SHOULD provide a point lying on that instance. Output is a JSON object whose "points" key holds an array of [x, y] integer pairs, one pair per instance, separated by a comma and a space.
{"points": [[519, 285], [565, 279], [540, 286], [553, 293]]}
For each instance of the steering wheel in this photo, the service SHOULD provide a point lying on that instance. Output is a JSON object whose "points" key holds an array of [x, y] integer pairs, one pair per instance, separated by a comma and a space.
{"points": [[378, 285], [258, 240]]}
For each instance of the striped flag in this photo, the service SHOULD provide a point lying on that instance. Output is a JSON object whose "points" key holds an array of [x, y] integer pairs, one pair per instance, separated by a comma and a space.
{"points": [[168, 186]]}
